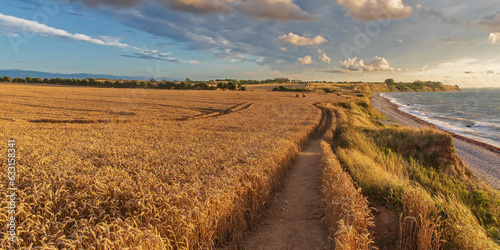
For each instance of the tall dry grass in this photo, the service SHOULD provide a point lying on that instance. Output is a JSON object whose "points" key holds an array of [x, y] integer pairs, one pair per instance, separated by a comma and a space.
{"points": [[418, 175], [181, 170], [421, 226]]}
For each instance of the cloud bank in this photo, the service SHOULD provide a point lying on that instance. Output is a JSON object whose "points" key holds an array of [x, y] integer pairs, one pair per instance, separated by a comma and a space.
{"points": [[301, 41], [377, 64], [491, 22], [371, 10], [281, 10]]}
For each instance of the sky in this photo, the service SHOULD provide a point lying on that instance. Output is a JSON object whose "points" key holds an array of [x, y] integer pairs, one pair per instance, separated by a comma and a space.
{"points": [[452, 41]]}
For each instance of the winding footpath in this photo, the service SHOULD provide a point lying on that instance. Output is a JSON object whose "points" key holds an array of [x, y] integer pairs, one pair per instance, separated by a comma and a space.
{"points": [[294, 219], [482, 162]]}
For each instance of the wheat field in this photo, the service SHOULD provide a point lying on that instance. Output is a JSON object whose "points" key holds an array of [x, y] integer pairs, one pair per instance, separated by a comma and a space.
{"points": [[146, 169]]}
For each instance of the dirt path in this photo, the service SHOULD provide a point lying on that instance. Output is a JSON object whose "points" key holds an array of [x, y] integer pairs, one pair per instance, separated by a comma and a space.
{"points": [[294, 217]]}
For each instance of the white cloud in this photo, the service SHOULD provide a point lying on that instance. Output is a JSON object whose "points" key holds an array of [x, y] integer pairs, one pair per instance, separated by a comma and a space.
{"points": [[190, 61], [301, 41], [305, 60], [495, 38], [423, 68], [281, 10], [283, 48], [323, 56], [14, 27], [377, 64], [371, 10]]}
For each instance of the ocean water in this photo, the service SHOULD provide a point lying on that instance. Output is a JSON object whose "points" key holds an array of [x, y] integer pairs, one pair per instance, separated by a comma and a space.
{"points": [[473, 113]]}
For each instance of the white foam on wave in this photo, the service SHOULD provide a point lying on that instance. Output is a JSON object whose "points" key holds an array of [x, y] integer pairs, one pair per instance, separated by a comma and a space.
{"points": [[480, 124], [467, 132], [427, 117]]}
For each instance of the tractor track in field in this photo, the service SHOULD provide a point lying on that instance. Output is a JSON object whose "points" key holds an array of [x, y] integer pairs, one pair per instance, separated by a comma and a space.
{"points": [[210, 113]]}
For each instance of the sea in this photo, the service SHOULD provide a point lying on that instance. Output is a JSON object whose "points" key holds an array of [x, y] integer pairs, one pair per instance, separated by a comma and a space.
{"points": [[473, 113]]}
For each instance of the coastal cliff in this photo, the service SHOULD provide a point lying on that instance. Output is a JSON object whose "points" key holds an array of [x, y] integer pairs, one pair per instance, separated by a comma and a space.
{"points": [[417, 86]]}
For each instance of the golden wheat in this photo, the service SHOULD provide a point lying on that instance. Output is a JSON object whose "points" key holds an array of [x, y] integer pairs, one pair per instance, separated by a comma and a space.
{"points": [[146, 169]]}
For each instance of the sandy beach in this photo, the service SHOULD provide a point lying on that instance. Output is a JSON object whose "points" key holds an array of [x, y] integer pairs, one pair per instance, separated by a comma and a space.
{"points": [[483, 160]]}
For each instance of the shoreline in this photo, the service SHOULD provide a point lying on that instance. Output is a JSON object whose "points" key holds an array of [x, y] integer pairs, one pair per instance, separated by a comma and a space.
{"points": [[455, 135], [480, 158]]}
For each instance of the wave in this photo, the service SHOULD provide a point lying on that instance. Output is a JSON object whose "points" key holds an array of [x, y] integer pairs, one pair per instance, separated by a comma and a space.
{"points": [[449, 120], [485, 125]]}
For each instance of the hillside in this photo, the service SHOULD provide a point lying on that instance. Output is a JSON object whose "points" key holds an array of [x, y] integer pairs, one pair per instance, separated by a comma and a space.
{"points": [[417, 86]]}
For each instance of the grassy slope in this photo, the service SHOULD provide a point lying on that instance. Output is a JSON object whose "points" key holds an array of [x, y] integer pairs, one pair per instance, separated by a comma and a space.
{"points": [[417, 174]]}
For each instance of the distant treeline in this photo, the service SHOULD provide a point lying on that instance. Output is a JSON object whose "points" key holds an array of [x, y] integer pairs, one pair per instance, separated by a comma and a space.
{"points": [[229, 84], [281, 88], [268, 81]]}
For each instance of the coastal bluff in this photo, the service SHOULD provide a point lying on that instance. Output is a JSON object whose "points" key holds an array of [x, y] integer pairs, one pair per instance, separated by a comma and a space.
{"points": [[417, 86]]}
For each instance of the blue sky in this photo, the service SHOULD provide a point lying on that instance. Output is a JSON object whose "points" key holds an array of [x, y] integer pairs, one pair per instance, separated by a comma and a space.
{"points": [[456, 42]]}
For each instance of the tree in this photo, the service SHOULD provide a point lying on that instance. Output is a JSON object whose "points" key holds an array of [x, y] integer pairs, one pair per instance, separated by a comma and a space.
{"points": [[184, 85], [19, 80], [389, 81], [232, 86], [7, 79], [135, 84], [221, 85]]}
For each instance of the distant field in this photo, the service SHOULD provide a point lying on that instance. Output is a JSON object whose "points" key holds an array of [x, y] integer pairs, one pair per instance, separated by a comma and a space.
{"points": [[116, 168], [269, 87]]}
